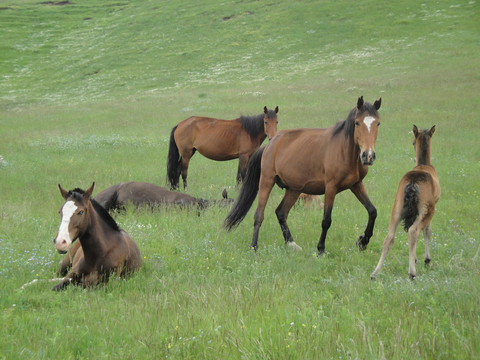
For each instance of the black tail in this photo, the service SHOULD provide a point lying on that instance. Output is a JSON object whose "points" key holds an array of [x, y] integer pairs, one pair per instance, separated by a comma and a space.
{"points": [[410, 205], [173, 162], [248, 191]]}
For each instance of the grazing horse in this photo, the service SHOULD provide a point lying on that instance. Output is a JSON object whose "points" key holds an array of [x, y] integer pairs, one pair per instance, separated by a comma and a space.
{"points": [[141, 193], [312, 161], [417, 195], [217, 140], [103, 248]]}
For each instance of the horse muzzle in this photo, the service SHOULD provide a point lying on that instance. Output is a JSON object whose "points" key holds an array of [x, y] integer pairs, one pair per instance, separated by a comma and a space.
{"points": [[367, 157]]}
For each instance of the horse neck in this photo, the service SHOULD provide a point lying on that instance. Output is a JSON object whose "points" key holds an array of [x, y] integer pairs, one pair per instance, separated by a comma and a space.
{"points": [[423, 155], [92, 239]]}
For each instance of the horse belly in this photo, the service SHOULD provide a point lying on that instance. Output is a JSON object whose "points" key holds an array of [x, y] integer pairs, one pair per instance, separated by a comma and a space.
{"points": [[219, 150]]}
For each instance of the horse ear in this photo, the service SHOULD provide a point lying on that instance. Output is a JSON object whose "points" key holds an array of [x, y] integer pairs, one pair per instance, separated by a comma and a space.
{"points": [[415, 130], [63, 192], [377, 103], [88, 193], [432, 130], [276, 110], [360, 102], [265, 110]]}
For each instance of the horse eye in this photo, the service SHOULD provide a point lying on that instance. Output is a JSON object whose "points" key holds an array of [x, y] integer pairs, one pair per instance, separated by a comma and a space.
{"points": [[378, 124], [80, 212], [357, 123]]}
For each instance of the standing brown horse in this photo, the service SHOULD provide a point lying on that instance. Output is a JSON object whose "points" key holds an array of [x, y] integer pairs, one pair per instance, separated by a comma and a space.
{"points": [[312, 161], [217, 140], [417, 195], [104, 247]]}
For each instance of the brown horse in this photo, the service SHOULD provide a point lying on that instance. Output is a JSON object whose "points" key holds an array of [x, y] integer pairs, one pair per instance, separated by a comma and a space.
{"points": [[217, 140], [312, 161], [417, 195], [104, 247], [117, 196]]}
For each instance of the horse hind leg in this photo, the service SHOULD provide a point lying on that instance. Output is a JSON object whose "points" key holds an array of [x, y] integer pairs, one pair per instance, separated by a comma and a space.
{"points": [[390, 238], [183, 169], [282, 211]]}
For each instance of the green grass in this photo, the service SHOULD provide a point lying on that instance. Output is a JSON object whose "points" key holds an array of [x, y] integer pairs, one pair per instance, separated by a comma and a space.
{"points": [[89, 92]]}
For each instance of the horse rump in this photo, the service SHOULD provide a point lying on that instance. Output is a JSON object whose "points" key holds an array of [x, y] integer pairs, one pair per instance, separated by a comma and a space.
{"points": [[410, 204]]}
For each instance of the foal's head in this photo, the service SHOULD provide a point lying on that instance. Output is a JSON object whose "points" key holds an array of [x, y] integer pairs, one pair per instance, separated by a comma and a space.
{"points": [[74, 217], [422, 145], [366, 121], [270, 122]]}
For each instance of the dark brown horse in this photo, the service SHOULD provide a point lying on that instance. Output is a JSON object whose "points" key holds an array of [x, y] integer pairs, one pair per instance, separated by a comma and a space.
{"points": [[103, 248], [417, 195], [217, 140], [312, 161], [145, 194]]}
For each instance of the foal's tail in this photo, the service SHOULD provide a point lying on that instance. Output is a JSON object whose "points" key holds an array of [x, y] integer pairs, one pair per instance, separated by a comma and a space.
{"points": [[173, 162], [410, 205], [248, 191]]}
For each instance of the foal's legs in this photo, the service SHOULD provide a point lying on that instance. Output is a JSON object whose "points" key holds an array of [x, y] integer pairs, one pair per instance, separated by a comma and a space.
{"points": [[392, 228], [282, 211], [427, 235], [265, 188], [359, 190]]}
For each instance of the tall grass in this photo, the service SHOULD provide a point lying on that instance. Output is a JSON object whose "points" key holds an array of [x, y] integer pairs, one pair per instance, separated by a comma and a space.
{"points": [[89, 92]]}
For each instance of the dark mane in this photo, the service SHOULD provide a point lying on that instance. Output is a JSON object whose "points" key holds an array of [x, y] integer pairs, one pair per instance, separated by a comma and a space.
{"points": [[76, 194], [253, 125], [424, 146], [348, 125]]}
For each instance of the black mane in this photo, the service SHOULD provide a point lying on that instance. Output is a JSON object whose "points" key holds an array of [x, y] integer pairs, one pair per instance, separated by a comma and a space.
{"points": [[253, 125], [77, 193], [348, 125], [424, 147]]}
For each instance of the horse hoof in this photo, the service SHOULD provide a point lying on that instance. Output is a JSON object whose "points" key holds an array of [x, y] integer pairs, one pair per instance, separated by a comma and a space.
{"points": [[254, 248], [361, 243], [427, 261], [412, 277], [294, 246], [373, 276]]}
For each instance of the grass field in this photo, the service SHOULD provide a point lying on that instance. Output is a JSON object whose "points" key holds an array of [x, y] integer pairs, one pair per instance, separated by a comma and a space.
{"points": [[89, 91]]}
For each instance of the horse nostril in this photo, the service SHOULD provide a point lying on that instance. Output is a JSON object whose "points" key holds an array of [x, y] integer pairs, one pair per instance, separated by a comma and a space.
{"points": [[374, 156]]}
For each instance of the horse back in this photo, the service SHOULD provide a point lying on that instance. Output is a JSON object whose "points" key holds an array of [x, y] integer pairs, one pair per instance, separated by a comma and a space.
{"points": [[426, 178], [305, 159], [215, 139]]}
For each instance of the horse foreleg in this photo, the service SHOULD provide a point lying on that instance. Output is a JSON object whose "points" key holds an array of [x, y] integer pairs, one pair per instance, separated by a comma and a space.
{"points": [[282, 211], [427, 235], [359, 190], [327, 217]]}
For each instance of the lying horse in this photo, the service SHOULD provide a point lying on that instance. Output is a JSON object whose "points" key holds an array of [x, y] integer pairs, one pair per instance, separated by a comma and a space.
{"points": [[312, 161], [417, 194], [102, 247], [218, 140], [140, 193]]}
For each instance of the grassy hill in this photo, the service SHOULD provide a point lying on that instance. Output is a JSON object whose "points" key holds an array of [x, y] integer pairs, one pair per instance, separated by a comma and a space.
{"points": [[90, 90]]}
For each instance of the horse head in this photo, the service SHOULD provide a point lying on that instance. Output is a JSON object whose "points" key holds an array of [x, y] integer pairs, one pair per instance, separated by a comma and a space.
{"points": [[367, 122], [270, 122], [74, 217], [422, 143]]}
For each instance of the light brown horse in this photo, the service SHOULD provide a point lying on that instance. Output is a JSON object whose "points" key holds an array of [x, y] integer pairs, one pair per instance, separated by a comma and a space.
{"points": [[116, 197], [217, 140], [312, 161], [103, 248], [417, 194]]}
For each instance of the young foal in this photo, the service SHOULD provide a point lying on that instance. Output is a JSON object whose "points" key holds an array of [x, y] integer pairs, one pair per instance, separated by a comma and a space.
{"points": [[418, 192], [104, 247]]}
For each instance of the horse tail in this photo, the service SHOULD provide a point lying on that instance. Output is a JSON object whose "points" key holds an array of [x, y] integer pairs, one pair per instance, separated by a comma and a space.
{"points": [[248, 191], [173, 162], [410, 205]]}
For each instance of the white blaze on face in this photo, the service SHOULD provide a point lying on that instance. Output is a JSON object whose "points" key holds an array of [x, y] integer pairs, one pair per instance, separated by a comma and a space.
{"points": [[63, 240], [368, 120]]}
